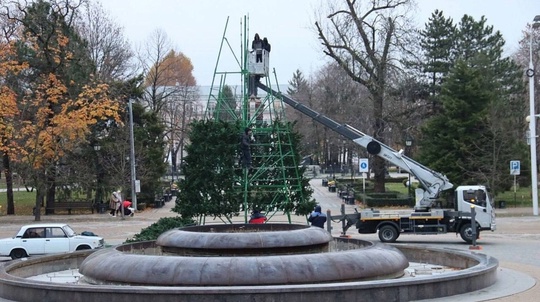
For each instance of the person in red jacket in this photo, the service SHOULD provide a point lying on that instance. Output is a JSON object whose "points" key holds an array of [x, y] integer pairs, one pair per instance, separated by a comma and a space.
{"points": [[257, 217], [128, 210]]}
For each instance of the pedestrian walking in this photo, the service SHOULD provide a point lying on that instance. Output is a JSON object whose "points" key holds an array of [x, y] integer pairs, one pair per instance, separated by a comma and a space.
{"points": [[114, 203]]}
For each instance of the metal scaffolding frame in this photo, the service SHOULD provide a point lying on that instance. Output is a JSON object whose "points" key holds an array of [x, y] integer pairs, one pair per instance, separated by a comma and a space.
{"points": [[275, 180]]}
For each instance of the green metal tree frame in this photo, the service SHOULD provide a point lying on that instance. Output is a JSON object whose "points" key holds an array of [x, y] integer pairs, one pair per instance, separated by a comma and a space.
{"points": [[275, 184]]}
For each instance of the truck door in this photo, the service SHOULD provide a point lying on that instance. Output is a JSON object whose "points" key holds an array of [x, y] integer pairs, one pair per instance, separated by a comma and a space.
{"points": [[481, 201]]}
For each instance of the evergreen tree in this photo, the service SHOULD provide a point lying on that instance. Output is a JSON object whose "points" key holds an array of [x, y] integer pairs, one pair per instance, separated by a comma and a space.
{"points": [[475, 147], [297, 84], [293, 198], [451, 137], [437, 41], [228, 110], [211, 187], [149, 148], [208, 187]]}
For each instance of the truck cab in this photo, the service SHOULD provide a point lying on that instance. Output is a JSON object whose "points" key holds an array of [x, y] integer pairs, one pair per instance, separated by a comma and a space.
{"points": [[467, 197]]}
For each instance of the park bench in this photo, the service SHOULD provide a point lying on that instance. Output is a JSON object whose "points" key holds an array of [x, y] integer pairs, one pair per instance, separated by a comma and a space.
{"points": [[73, 205]]}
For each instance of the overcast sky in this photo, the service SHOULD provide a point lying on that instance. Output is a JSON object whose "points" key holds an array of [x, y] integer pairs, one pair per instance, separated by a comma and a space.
{"points": [[196, 27]]}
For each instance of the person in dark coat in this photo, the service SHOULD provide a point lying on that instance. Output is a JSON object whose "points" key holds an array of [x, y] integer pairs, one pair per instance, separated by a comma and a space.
{"points": [[257, 46], [246, 148], [317, 217], [266, 45]]}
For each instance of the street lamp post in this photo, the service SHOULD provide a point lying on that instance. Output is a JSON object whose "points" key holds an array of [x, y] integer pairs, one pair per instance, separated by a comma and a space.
{"points": [[132, 158], [97, 201], [408, 144], [532, 121], [173, 161]]}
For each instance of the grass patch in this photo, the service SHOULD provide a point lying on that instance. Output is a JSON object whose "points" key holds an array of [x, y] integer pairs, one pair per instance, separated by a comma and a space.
{"points": [[522, 198], [397, 187], [24, 202]]}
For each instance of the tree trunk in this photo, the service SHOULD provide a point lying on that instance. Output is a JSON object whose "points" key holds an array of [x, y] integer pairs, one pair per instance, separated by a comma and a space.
{"points": [[51, 192], [379, 164], [39, 202], [9, 185]]}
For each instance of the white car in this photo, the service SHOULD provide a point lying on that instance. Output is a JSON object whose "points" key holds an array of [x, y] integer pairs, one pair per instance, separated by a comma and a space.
{"points": [[47, 238]]}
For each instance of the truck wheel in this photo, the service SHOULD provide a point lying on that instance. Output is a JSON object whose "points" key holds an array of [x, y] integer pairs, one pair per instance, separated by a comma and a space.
{"points": [[17, 254], [388, 233], [466, 233]]}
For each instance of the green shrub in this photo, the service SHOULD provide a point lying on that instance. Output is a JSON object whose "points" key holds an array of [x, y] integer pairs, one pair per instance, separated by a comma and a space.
{"points": [[389, 199], [161, 226]]}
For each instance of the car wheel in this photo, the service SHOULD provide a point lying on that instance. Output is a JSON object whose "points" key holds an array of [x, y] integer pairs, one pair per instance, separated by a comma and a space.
{"points": [[17, 254], [83, 247], [388, 233]]}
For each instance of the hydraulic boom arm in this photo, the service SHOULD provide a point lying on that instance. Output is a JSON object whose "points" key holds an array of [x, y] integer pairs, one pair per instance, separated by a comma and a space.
{"points": [[433, 182]]}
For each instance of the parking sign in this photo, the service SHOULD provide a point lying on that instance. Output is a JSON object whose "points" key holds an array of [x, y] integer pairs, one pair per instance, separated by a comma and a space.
{"points": [[515, 167], [363, 165]]}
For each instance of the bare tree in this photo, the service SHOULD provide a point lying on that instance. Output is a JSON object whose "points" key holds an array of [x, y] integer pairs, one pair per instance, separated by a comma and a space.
{"points": [[107, 47], [340, 97], [363, 37], [170, 89], [177, 113], [152, 59]]}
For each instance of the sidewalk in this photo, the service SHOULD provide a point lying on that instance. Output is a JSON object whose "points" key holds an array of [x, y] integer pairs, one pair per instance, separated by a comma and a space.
{"points": [[326, 199], [114, 230], [103, 224]]}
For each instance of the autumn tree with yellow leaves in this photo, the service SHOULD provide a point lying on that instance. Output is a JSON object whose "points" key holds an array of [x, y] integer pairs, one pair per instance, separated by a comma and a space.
{"points": [[57, 99], [9, 67]]}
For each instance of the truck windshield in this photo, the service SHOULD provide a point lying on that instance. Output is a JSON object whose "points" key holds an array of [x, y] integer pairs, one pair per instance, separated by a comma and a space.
{"points": [[477, 197]]}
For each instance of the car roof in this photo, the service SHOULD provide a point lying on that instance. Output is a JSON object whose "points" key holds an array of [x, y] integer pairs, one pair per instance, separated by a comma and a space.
{"points": [[44, 225]]}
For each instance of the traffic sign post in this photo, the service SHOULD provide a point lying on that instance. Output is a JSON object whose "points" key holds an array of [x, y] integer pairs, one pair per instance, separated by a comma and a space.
{"points": [[363, 167], [515, 169]]}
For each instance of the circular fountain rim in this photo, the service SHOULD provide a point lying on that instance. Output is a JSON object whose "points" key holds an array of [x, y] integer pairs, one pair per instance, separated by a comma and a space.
{"points": [[242, 236]]}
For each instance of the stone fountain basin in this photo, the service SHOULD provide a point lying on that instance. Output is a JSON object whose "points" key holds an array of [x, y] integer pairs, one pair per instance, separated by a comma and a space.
{"points": [[121, 266], [476, 271]]}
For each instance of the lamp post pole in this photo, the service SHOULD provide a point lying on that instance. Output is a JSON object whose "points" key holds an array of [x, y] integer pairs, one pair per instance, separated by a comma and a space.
{"points": [[532, 121], [132, 159], [97, 201], [408, 144]]}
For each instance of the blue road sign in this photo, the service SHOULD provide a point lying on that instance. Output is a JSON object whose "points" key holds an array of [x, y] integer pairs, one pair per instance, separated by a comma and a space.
{"points": [[515, 168], [363, 165]]}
